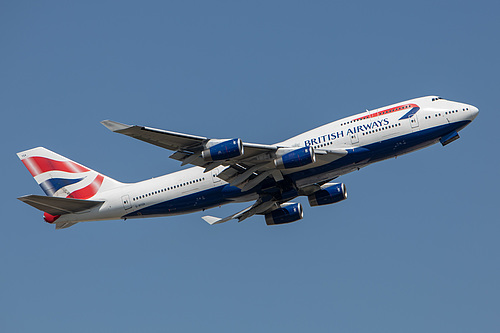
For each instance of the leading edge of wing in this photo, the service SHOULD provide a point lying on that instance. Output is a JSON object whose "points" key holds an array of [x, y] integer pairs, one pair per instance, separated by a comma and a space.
{"points": [[179, 142], [115, 126]]}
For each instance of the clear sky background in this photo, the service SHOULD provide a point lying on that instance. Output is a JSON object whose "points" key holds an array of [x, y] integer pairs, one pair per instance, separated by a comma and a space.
{"points": [[415, 248]]}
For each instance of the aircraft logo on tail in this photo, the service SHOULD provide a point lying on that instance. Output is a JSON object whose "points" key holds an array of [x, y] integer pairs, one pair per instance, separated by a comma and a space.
{"points": [[59, 176]]}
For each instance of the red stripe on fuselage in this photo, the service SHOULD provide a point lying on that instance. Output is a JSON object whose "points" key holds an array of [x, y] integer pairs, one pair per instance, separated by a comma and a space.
{"points": [[387, 111], [37, 165], [88, 191]]}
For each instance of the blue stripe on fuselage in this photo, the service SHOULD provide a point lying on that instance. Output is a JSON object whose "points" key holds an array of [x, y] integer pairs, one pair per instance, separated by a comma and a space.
{"points": [[191, 203], [410, 113]]}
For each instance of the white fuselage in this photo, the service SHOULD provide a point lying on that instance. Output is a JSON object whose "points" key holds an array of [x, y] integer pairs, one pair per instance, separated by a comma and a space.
{"points": [[371, 136]]}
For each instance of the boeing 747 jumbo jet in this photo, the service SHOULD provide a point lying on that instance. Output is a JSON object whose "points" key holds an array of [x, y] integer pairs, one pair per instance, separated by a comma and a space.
{"points": [[230, 170]]}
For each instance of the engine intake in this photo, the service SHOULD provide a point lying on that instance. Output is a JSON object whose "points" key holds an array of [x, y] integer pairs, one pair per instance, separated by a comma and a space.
{"points": [[329, 194], [288, 213], [296, 158], [223, 150]]}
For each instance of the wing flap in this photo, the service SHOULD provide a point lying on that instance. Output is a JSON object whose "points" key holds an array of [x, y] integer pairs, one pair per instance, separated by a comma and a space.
{"points": [[58, 206]]}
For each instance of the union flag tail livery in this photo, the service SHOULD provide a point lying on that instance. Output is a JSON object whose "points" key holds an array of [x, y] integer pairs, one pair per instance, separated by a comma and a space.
{"points": [[231, 170], [61, 177], [68, 185]]}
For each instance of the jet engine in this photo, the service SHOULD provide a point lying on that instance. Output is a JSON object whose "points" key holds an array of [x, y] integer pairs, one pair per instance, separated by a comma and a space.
{"points": [[296, 158], [223, 150], [330, 193], [289, 212]]}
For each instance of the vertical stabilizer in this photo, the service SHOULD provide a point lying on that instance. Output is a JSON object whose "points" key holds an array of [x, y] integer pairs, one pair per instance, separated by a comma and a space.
{"points": [[59, 176]]}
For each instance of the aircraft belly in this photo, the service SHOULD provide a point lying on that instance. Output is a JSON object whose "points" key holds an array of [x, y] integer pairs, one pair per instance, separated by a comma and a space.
{"points": [[411, 142], [190, 203]]}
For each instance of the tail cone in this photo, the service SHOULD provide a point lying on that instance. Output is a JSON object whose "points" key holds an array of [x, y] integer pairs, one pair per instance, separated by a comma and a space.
{"points": [[50, 218]]}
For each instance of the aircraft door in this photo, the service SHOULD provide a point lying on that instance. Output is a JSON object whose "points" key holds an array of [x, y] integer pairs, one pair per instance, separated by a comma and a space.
{"points": [[215, 173], [354, 138], [126, 202], [414, 121]]}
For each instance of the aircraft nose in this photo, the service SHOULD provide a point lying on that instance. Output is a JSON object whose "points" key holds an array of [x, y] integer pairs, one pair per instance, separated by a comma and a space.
{"points": [[473, 112]]}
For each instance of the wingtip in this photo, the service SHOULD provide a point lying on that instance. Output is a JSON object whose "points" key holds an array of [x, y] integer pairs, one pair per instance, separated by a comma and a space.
{"points": [[114, 126], [211, 219]]}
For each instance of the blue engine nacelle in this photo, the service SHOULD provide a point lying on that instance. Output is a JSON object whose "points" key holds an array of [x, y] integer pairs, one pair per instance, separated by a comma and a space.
{"points": [[296, 158], [223, 151], [329, 193], [289, 212]]}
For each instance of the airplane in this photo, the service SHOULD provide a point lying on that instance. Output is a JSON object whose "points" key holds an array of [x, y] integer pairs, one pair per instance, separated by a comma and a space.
{"points": [[230, 170]]}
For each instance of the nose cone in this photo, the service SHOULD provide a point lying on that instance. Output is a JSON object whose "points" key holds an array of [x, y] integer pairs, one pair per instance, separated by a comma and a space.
{"points": [[473, 112]]}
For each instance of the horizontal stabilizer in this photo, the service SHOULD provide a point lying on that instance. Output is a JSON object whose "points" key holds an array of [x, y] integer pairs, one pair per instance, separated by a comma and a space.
{"points": [[58, 206], [259, 207], [64, 225]]}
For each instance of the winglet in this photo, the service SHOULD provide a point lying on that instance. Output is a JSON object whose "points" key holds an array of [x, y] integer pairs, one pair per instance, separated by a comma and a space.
{"points": [[114, 125], [212, 219]]}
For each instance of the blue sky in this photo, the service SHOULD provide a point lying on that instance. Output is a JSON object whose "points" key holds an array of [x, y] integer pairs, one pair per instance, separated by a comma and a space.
{"points": [[414, 248]]}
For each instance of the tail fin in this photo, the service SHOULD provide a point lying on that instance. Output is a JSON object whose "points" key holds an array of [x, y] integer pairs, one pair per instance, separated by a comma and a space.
{"points": [[59, 176]]}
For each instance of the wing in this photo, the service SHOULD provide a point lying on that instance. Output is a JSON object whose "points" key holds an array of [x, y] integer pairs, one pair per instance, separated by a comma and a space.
{"points": [[165, 139], [247, 167]]}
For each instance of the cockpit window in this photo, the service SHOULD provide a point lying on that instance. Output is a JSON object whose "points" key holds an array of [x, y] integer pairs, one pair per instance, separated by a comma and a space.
{"points": [[436, 98]]}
